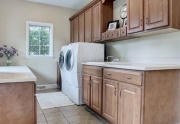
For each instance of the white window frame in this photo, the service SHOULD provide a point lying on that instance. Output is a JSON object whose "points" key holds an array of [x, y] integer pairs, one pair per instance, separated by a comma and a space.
{"points": [[28, 23]]}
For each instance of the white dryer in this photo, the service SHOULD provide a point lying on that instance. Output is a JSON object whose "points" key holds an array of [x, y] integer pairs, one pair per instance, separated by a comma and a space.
{"points": [[76, 54], [64, 78]]}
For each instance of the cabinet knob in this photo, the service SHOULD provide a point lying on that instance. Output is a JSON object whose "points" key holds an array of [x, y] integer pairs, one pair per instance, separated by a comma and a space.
{"points": [[109, 74]]}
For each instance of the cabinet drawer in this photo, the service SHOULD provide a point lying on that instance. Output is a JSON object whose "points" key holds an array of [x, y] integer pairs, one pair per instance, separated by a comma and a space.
{"points": [[117, 33], [123, 32], [92, 70], [103, 36], [109, 35], [132, 77]]}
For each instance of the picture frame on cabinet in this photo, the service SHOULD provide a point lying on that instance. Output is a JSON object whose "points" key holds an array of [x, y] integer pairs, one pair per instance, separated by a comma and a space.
{"points": [[112, 25], [125, 22]]}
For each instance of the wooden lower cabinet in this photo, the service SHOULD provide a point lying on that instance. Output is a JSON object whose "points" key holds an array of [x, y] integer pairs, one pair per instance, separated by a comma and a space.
{"points": [[92, 92], [133, 97], [96, 94], [110, 100], [18, 103], [129, 104], [86, 93]]}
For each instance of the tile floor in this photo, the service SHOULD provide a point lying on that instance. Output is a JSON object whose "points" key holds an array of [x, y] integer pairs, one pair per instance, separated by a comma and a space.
{"points": [[67, 115]]}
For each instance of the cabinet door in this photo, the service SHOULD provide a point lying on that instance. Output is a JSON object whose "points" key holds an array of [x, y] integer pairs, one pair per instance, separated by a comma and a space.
{"points": [[96, 22], [76, 29], [129, 107], [81, 28], [109, 111], [135, 16], [156, 13], [86, 87], [72, 30], [96, 93], [88, 15]]}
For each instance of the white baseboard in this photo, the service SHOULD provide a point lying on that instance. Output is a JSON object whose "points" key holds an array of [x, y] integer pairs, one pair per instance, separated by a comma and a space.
{"points": [[45, 87]]}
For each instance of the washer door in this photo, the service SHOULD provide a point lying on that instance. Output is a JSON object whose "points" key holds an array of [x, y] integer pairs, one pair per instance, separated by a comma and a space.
{"points": [[69, 60], [61, 60]]}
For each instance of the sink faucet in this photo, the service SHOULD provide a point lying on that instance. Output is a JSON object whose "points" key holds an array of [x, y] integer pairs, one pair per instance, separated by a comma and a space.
{"points": [[114, 59], [107, 58]]}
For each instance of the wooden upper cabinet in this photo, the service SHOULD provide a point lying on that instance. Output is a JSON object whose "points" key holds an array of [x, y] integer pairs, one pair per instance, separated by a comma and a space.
{"points": [[110, 89], [72, 37], [81, 28], [135, 16], [96, 93], [96, 22], [156, 13], [129, 105], [86, 94], [88, 23], [96, 14], [76, 29]]}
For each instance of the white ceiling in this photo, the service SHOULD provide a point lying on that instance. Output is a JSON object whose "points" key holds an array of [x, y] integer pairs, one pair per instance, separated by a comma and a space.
{"points": [[74, 4]]}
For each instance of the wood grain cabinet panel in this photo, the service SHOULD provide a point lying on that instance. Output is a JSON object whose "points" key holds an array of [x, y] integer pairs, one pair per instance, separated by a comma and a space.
{"points": [[88, 24], [135, 16], [97, 14], [72, 29], [76, 30], [81, 28], [18, 103], [156, 13], [129, 105], [96, 22], [96, 93], [110, 105], [86, 94]]}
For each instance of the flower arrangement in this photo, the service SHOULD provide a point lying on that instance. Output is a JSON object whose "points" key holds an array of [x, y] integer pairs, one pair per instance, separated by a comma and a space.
{"points": [[8, 53]]}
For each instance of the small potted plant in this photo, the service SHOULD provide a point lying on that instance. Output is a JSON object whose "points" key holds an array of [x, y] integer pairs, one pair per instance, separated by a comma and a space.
{"points": [[8, 53]]}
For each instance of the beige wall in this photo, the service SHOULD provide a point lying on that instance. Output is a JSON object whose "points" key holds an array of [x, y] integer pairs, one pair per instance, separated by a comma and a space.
{"points": [[13, 17], [161, 49]]}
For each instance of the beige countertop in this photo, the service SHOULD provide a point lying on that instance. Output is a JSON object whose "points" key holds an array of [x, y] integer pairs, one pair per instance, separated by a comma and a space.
{"points": [[133, 66], [10, 74]]}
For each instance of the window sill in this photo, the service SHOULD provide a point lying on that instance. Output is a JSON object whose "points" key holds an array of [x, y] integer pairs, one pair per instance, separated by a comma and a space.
{"points": [[29, 57]]}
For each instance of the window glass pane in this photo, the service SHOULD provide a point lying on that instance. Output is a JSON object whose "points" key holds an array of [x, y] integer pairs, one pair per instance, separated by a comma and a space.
{"points": [[44, 40], [44, 31], [34, 40], [34, 50], [44, 50], [39, 40], [34, 30]]}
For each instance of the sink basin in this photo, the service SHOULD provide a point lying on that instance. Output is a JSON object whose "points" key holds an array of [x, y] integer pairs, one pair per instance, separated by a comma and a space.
{"points": [[108, 63]]}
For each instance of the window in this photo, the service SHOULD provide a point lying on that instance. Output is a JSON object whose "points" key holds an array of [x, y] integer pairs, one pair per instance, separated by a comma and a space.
{"points": [[39, 39]]}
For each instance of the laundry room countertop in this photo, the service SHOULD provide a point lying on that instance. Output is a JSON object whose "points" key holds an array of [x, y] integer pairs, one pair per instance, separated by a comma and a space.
{"points": [[133, 66], [9, 74]]}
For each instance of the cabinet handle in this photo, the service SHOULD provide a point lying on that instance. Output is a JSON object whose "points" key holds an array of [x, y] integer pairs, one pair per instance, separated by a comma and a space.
{"points": [[141, 23], [115, 91], [147, 21], [120, 93]]}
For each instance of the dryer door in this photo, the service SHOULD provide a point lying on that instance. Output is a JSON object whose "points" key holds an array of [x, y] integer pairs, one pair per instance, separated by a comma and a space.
{"points": [[69, 60], [61, 60]]}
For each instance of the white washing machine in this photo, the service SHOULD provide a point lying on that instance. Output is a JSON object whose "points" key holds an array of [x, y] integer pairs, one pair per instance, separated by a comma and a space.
{"points": [[76, 54], [64, 77]]}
